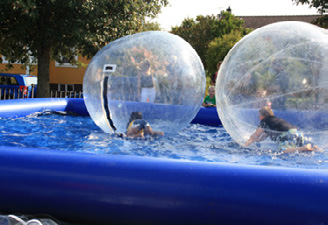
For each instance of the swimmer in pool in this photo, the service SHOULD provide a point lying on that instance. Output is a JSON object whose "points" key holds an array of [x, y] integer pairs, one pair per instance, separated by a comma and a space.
{"points": [[288, 137], [138, 127]]}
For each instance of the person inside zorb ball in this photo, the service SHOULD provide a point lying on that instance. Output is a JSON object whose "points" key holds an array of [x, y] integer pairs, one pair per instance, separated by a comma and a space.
{"points": [[281, 69], [154, 74]]}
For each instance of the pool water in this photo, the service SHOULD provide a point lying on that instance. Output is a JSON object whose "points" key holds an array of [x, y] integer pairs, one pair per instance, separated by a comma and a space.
{"points": [[65, 132]]}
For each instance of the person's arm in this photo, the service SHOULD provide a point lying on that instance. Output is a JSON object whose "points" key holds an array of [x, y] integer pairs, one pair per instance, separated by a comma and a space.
{"points": [[254, 137], [157, 133], [307, 147], [149, 130], [262, 137], [204, 102]]}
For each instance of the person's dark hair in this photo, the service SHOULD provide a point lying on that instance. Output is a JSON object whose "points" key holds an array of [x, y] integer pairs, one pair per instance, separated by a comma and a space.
{"points": [[134, 116], [266, 111]]}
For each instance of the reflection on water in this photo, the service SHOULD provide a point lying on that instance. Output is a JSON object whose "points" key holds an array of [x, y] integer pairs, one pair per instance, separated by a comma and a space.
{"points": [[196, 142]]}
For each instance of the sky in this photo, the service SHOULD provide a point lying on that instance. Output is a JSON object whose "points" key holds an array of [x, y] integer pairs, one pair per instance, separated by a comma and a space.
{"points": [[178, 10]]}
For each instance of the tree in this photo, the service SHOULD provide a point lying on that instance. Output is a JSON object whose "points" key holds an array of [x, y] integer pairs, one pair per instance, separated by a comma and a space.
{"points": [[319, 4], [322, 22], [200, 32], [322, 7], [219, 48], [54, 28], [150, 26]]}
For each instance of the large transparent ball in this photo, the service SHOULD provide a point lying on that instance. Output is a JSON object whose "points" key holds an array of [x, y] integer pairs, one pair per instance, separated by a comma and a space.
{"points": [[284, 65], [155, 73]]}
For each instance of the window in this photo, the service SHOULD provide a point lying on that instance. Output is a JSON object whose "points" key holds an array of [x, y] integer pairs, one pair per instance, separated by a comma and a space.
{"points": [[66, 62], [32, 59], [12, 81], [5, 80], [65, 87]]}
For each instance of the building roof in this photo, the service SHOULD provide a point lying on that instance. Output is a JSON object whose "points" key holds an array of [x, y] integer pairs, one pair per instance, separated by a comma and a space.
{"points": [[260, 21]]}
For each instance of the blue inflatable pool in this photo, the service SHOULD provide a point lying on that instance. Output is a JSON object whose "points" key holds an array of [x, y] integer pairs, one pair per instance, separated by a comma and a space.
{"points": [[84, 188]]}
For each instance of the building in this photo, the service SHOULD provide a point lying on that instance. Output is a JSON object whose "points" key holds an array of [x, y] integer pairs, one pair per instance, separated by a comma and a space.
{"points": [[62, 77], [255, 22]]}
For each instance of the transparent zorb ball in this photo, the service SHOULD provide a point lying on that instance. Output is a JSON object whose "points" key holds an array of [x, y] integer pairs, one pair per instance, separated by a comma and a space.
{"points": [[155, 73], [283, 66]]}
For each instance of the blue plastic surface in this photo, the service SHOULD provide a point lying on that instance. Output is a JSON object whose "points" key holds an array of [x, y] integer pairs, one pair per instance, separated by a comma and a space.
{"points": [[24, 107], [113, 189], [207, 116]]}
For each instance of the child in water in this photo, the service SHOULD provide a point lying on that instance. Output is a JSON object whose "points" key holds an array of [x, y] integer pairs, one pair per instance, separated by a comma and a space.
{"points": [[138, 127], [288, 137], [209, 100]]}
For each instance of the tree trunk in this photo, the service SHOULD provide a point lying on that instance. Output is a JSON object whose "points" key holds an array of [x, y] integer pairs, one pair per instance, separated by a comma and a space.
{"points": [[43, 89]]}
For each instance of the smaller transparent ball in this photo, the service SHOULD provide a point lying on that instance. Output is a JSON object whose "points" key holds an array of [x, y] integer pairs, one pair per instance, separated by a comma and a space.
{"points": [[155, 73], [283, 65]]}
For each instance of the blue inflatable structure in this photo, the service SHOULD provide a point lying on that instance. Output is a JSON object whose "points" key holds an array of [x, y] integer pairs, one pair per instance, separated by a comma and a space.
{"points": [[84, 188]]}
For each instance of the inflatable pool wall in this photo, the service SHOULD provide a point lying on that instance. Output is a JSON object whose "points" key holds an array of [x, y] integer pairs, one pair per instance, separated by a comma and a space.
{"points": [[24, 107], [84, 188]]}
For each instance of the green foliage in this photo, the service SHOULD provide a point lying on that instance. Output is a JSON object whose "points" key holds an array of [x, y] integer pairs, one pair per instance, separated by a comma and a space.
{"points": [[42, 28], [319, 4], [208, 83], [219, 48], [322, 6], [322, 22], [150, 26], [200, 32]]}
